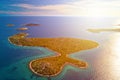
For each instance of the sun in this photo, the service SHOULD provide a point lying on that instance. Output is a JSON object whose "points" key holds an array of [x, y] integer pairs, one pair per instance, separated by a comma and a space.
{"points": [[95, 12], [93, 9]]}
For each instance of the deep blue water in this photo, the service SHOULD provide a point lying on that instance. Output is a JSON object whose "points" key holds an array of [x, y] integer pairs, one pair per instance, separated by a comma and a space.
{"points": [[14, 59]]}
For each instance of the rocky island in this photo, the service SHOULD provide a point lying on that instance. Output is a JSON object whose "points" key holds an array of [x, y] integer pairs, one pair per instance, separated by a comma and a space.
{"points": [[10, 25], [32, 24], [53, 65], [22, 29]]}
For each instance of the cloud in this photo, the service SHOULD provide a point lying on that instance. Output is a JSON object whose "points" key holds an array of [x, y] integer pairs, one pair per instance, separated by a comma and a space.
{"points": [[26, 6], [29, 13], [77, 8]]}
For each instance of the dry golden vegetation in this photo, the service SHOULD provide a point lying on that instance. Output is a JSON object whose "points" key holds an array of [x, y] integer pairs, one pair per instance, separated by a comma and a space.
{"points": [[51, 66]]}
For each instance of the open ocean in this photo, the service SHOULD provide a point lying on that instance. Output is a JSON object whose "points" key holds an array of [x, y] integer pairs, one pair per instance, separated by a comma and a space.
{"points": [[104, 61]]}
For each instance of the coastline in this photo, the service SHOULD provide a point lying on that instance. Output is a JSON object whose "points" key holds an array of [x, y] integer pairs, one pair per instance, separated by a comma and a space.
{"points": [[56, 73], [66, 63]]}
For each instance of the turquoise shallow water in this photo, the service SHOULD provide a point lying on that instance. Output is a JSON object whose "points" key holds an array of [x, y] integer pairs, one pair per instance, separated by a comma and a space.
{"points": [[20, 71], [103, 61]]}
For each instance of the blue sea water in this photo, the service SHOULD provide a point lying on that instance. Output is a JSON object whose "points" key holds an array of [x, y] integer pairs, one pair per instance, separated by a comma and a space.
{"points": [[104, 61]]}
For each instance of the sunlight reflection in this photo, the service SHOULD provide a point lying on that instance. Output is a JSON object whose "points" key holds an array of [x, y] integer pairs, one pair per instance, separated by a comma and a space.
{"points": [[109, 60], [115, 51]]}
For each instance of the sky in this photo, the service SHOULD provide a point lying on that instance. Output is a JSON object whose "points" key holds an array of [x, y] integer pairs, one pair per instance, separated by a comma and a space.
{"points": [[90, 8]]}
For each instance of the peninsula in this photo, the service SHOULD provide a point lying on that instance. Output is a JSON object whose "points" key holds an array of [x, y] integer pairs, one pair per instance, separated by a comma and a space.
{"points": [[53, 65]]}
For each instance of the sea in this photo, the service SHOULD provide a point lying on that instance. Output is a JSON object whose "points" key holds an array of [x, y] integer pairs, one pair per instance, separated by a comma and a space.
{"points": [[103, 61]]}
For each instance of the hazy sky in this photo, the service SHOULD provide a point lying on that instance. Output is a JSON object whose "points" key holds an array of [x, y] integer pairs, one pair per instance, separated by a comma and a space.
{"points": [[90, 8]]}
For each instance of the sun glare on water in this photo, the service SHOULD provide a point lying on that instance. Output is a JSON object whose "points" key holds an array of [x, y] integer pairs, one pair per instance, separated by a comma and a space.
{"points": [[108, 66], [115, 55]]}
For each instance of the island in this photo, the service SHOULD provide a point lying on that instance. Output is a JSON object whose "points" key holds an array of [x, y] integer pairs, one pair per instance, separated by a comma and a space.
{"points": [[105, 29], [32, 24], [10, 25], [118, 25], [22, 29], [62, 46]]}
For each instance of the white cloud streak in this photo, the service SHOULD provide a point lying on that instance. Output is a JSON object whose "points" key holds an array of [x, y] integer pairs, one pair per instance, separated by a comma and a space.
{"points": [[79, 8]]}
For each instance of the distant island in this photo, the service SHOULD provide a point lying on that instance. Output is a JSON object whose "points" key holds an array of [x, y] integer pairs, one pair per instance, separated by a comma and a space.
{"points": [[32, 24], [102, 30], [22, 29], [118, 25], [10, 25], [53, 65]]}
